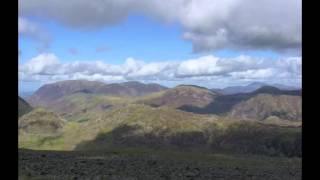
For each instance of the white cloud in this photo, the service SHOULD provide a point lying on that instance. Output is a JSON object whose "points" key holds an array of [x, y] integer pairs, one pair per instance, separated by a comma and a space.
{"points": [[208, 24], [266, 24], [211, 65], [206, 65], [27, 28], [291, 64], [255, 74], [41, 64], [47, 68], [154, 70]]}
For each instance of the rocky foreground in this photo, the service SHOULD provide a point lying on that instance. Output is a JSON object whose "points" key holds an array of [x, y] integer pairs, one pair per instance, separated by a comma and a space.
{"points": [[146, 165]]}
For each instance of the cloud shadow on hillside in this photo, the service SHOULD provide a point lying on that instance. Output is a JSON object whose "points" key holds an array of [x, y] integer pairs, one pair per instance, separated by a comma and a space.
{"points": [[220, 105], [239, 138], [223, 104]]}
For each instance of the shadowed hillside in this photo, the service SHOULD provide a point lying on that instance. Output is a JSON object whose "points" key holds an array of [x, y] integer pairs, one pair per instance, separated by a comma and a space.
{"points": [[276, 91], [264, 102], [251, 88], [240, 137], [23, 107]]}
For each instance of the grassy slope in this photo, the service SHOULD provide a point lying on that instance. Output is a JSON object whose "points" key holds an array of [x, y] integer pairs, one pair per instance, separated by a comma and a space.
{"points": [[75, 132], [180, 96], [140, 125], [38, 127]]}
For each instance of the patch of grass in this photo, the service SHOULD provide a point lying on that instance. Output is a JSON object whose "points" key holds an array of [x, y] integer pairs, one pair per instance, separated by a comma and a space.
{"points": [[41, 142], [83, 120]]}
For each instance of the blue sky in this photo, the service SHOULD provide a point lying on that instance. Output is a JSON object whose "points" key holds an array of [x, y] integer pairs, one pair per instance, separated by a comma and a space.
{"points": [[149, 39], [137, 36]]}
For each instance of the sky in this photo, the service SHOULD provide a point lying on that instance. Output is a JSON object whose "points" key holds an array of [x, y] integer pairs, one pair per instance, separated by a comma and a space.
{"points": [[210, 43]]}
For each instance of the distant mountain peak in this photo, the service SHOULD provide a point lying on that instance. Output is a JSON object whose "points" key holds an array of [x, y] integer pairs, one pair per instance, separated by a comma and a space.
{"points": [[132, 82], [251, 88], [275, 90], [267, 89], [259, 84], [193, 86]]}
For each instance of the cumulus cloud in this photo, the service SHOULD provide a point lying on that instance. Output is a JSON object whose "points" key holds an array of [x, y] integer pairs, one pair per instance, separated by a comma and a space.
{"points": [[244, 24], [41, 65], [27, 28], [47, 67], [211, 65], [208, 24]]}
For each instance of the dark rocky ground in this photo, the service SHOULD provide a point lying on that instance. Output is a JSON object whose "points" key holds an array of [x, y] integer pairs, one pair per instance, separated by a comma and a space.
{"points": [[152, 165]]}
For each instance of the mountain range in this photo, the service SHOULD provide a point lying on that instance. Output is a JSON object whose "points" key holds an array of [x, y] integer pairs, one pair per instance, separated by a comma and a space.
{"points": [[250, 88], [88, 115], [69, 98], [227, 90], [258, 105], [49, 93]]}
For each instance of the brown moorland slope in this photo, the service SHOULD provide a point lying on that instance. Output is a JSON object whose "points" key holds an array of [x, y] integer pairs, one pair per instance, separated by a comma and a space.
{"points": [[48, 94], [181, 95]]}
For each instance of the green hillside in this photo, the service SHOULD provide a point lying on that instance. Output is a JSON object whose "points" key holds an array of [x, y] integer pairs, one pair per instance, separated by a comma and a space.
{"points": [[137, 125], [39, 126]]}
